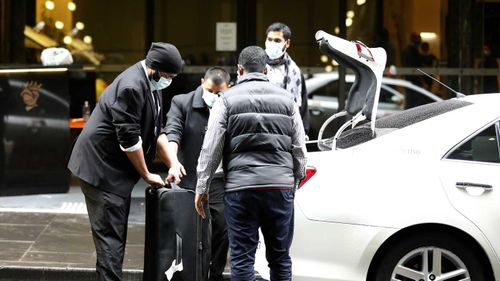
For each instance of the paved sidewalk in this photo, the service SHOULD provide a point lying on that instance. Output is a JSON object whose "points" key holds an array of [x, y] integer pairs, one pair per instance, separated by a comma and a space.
{"points": [[58, 240], [37, 242], [48, 237]]}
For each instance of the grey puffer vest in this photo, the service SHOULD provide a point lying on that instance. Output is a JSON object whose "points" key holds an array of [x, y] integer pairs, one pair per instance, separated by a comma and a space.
{"points": [[257, 152]]}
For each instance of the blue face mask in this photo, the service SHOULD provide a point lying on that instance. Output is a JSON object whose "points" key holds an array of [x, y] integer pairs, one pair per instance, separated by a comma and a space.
{"points": [[162, 83], [275, 50]]}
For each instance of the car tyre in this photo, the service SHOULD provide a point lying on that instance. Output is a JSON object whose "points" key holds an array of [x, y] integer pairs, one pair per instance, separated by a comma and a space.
{"points": [[431, 256]]}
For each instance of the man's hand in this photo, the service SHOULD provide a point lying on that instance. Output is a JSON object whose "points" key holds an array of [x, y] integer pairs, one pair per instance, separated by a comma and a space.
{"points": [[154, 180], [201, 201], [175, 173]]}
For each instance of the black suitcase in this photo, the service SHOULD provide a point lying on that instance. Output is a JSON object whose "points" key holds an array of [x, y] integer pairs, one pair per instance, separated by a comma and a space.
{"points": [[176, 237]]}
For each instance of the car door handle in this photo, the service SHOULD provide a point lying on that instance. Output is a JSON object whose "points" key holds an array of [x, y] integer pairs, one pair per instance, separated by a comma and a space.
{"points": [[464, 185], [317, 112]]}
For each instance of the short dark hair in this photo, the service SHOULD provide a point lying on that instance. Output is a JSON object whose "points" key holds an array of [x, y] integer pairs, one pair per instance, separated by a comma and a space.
{"points": [[278, 26], [218, 75], [415, 38], [253, 59]]}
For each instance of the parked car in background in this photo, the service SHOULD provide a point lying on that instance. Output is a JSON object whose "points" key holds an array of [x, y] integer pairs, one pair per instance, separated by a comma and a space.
{"points": [[322, 89], [417, 201]]}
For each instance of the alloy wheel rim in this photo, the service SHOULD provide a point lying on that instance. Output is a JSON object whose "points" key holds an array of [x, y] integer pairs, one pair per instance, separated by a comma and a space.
{"points": [[430, 264]]}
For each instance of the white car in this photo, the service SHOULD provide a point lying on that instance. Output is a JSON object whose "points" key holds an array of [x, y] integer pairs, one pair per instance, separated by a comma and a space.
{"points": [[322, 89], [408, 196], [419, 201]]}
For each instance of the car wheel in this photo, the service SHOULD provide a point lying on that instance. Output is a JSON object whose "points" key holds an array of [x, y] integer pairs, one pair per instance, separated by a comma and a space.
{"points": [[428, 258]]}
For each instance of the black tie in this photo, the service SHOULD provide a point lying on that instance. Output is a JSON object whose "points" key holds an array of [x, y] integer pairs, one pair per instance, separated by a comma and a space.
{"points": [[156, 98], [157, 102]]}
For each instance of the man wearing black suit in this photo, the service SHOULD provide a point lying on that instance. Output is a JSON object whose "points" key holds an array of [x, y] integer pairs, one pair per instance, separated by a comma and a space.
{"points": [[186, 125], [115, 147]]}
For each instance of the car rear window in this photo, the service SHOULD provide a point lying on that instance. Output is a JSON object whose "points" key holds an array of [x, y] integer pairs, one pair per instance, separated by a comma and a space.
{"points": [[398, 120]]}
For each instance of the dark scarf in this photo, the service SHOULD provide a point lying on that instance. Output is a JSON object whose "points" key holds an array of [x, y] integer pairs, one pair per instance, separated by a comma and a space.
{"points": [[292, 81]]}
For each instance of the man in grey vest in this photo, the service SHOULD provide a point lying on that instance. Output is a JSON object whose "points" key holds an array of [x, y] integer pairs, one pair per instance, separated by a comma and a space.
{"points": [[256, 129]]}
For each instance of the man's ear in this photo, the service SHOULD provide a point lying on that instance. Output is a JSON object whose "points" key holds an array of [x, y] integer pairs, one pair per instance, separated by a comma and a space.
{"points": [[156, 75], [240, 70], [265, 70], [287, 44], [202, 81]]}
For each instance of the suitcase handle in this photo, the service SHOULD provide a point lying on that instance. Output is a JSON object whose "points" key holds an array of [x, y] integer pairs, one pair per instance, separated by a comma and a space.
{"points": [[173, 185], [152, 190]]}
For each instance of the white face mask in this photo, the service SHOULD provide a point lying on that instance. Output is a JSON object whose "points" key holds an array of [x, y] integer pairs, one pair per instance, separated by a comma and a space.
{"points": [[162, 83], [210, 98], [275, 50]]}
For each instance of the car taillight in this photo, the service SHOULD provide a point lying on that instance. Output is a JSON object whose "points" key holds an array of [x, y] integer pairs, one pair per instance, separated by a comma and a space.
{"points": [[310, 171]]}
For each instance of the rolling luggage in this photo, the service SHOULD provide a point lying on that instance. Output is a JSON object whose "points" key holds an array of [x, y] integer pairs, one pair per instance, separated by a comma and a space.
{"points": [[177, 244]]}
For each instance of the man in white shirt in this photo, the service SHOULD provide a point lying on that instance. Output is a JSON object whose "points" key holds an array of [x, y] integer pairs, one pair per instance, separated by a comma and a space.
{"points": [[283, 71]]}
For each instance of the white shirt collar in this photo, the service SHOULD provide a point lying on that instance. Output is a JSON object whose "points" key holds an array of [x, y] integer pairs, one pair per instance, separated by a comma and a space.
{"points": [[151, 87]]}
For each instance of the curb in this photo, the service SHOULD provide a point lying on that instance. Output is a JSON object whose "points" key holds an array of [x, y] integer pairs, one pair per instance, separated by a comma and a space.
{"points": [[17, 273]]}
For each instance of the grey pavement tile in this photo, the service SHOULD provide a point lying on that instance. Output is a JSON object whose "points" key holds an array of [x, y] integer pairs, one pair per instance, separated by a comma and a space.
{"points": [[33, 264], [69, 224], [11, 256], [135, 234], [137, 211], [18, 232], [90, 265], [60, 242], [58, 273], [60, 257], [134, 257], [13, 251], [26, 218]]}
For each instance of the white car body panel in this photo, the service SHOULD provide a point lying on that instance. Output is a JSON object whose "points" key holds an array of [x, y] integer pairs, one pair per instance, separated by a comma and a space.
{"points": [[341, 220], [474, 206]]}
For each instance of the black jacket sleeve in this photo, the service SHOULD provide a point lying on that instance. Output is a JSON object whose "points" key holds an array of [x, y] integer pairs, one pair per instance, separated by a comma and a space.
{"points": [[126, 113], [175, 121]]}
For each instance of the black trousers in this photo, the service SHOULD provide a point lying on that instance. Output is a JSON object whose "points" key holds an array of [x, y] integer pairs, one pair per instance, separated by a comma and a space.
{"points": [[108, 216], [220, 242]]}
